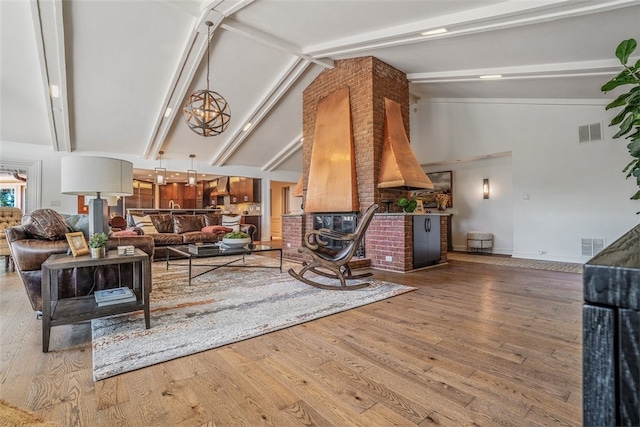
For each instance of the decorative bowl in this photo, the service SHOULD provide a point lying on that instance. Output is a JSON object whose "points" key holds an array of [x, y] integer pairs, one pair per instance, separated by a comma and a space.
{"points": [[236, 243]]}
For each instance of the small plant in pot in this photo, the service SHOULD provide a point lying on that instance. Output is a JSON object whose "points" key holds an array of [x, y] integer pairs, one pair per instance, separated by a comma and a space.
{"points": [[98, 245], [407, 205], [236, 239]]}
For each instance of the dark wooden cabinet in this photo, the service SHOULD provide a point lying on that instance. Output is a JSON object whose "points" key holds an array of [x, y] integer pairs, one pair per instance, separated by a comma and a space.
{"points": [[611, 331], [245, 190], [142, 196], [426, 240]]}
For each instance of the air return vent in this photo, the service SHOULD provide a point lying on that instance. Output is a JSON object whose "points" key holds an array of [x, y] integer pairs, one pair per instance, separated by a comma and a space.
{"points": [[591, 246], [590, 133]]}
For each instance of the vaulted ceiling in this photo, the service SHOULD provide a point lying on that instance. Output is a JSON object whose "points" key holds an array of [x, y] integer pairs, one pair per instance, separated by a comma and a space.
{"points": [[120, 65]]}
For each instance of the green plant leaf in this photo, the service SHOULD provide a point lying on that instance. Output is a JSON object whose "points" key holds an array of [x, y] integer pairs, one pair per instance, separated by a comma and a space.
{"points": [[624, 78], [621, 115], [625, 126], [619, 101], [625, 49], [634, 147], [636, 196]]}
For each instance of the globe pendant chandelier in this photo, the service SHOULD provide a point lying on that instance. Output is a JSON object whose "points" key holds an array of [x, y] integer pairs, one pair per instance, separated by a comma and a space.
{"points": [[206, 112]]}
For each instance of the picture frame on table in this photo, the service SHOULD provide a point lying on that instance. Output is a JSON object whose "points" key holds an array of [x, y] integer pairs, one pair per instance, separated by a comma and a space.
{"points": [[77, 243]]}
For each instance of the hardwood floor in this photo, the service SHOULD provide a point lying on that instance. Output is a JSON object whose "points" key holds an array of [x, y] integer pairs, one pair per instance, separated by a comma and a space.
{"points": [[476, 344]]}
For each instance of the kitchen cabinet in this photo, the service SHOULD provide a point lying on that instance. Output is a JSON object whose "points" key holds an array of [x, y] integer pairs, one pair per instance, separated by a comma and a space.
{"points": [[426, 240], [245, 190]]}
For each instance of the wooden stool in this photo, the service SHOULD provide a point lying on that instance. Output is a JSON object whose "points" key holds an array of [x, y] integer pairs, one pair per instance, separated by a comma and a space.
{"points": [[479, 242]]}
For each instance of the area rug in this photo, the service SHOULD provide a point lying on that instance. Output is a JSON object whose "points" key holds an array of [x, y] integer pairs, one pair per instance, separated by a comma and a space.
{"points": [[11, 415], [221, 307], [566, 267]]}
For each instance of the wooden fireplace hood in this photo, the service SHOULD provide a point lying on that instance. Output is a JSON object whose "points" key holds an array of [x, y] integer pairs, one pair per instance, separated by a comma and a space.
{"points": [[399, 166]]}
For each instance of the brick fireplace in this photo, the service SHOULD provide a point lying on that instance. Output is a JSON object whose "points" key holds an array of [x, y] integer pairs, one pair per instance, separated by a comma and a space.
{"points": [[370, 81]]}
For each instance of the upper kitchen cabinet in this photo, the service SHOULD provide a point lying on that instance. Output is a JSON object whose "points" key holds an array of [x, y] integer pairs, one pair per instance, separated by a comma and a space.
{"points": [[245, 190]]}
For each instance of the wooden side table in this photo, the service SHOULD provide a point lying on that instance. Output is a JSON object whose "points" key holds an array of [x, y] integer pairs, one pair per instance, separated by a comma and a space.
{"points": [[72, 310]]}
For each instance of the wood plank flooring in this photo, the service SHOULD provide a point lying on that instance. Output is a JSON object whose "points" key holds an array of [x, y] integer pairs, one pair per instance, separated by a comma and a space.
{"points": [[476, 344]]}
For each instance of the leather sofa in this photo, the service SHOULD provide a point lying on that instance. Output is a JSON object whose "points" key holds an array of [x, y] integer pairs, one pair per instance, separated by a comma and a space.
{"points": [[178, 229], [42, 234]]}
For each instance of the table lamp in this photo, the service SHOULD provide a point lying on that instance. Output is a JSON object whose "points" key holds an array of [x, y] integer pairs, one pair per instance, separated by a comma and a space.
{"points": [[96, 176]]}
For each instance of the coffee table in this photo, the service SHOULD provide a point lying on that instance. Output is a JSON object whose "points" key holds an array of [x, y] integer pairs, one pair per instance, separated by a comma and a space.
{"points": [[219, 251]]}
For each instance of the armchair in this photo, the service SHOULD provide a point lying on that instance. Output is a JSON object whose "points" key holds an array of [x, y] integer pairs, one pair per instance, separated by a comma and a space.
{"points": [[9, 217], [336, 262]]}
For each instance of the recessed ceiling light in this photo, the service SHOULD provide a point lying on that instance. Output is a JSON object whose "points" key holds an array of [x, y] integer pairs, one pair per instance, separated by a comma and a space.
{"points": [[434, 32], [491, 76], [168, 111], [55, 91], [247, 127]]}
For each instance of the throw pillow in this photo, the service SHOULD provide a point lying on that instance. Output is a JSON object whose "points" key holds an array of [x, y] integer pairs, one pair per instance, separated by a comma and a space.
{"points": [[163, 222], [145, 224], [77, 223], [187, 223], [45, 224], [232, 222], [217, 229]]}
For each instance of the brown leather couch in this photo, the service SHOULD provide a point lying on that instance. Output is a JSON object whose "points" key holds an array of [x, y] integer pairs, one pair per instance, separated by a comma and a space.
{"points": [[181, 229], [41, 235]]}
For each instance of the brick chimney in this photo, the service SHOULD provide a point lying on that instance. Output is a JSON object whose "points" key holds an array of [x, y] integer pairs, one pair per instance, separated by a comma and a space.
{"points": [[370, 81]]}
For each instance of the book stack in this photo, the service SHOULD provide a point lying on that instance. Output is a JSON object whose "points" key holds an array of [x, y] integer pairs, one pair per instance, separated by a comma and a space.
{"points": [[114, 296], [125, 250]]}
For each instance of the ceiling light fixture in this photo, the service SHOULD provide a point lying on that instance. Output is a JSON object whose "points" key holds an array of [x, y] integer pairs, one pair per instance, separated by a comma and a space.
{"points": [[206, 112], [192, 175], [247, 127], [435, 32], [161, 173], [55, 91], [491, 76], [168, 111]]}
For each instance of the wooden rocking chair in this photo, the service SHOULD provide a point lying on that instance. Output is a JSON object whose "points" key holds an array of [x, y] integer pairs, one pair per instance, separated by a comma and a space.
{"points": [[336, 262]]}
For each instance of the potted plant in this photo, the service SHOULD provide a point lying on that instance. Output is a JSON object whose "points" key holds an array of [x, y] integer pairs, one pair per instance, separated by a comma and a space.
{"points": [[628, 119], [236, 239], [407, 205], [98, 245]]}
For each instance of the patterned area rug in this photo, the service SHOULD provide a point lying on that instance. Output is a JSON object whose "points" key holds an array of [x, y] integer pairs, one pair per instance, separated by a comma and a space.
{"points": [[566, 267], [221, 307]]}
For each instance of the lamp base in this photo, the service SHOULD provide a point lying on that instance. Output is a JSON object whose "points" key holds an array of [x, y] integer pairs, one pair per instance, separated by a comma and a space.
{"points": [[98, 216]]}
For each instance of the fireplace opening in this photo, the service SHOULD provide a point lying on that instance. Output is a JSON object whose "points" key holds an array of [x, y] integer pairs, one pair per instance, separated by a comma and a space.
{"points": [[340, 222]]}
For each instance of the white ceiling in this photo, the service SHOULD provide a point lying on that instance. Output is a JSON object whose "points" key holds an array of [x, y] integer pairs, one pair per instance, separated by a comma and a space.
{"points": [[120, 64]]}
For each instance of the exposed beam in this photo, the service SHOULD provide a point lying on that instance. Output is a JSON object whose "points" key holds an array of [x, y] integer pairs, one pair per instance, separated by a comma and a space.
{"points": [[272, 41], [489, 18], [271, 97], [289, 150], [48, 23], [538, 71]]}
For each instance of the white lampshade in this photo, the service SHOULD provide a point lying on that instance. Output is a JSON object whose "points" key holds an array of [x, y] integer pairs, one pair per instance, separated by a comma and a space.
{"points": [[100, 177], [92, 175]]}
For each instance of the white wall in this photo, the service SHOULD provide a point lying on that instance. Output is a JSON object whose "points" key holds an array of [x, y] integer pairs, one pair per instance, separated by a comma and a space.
{"points": [[575, 190], [471, 212]]}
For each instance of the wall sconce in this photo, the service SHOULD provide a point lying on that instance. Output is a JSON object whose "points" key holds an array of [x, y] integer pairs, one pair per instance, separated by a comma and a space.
{"points": [[192, 175], [161, 173], [485, 188]]}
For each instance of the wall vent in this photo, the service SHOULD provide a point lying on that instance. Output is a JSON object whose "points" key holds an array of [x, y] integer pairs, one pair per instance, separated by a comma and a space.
{"points": [[591, 246], [590, 133]]}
